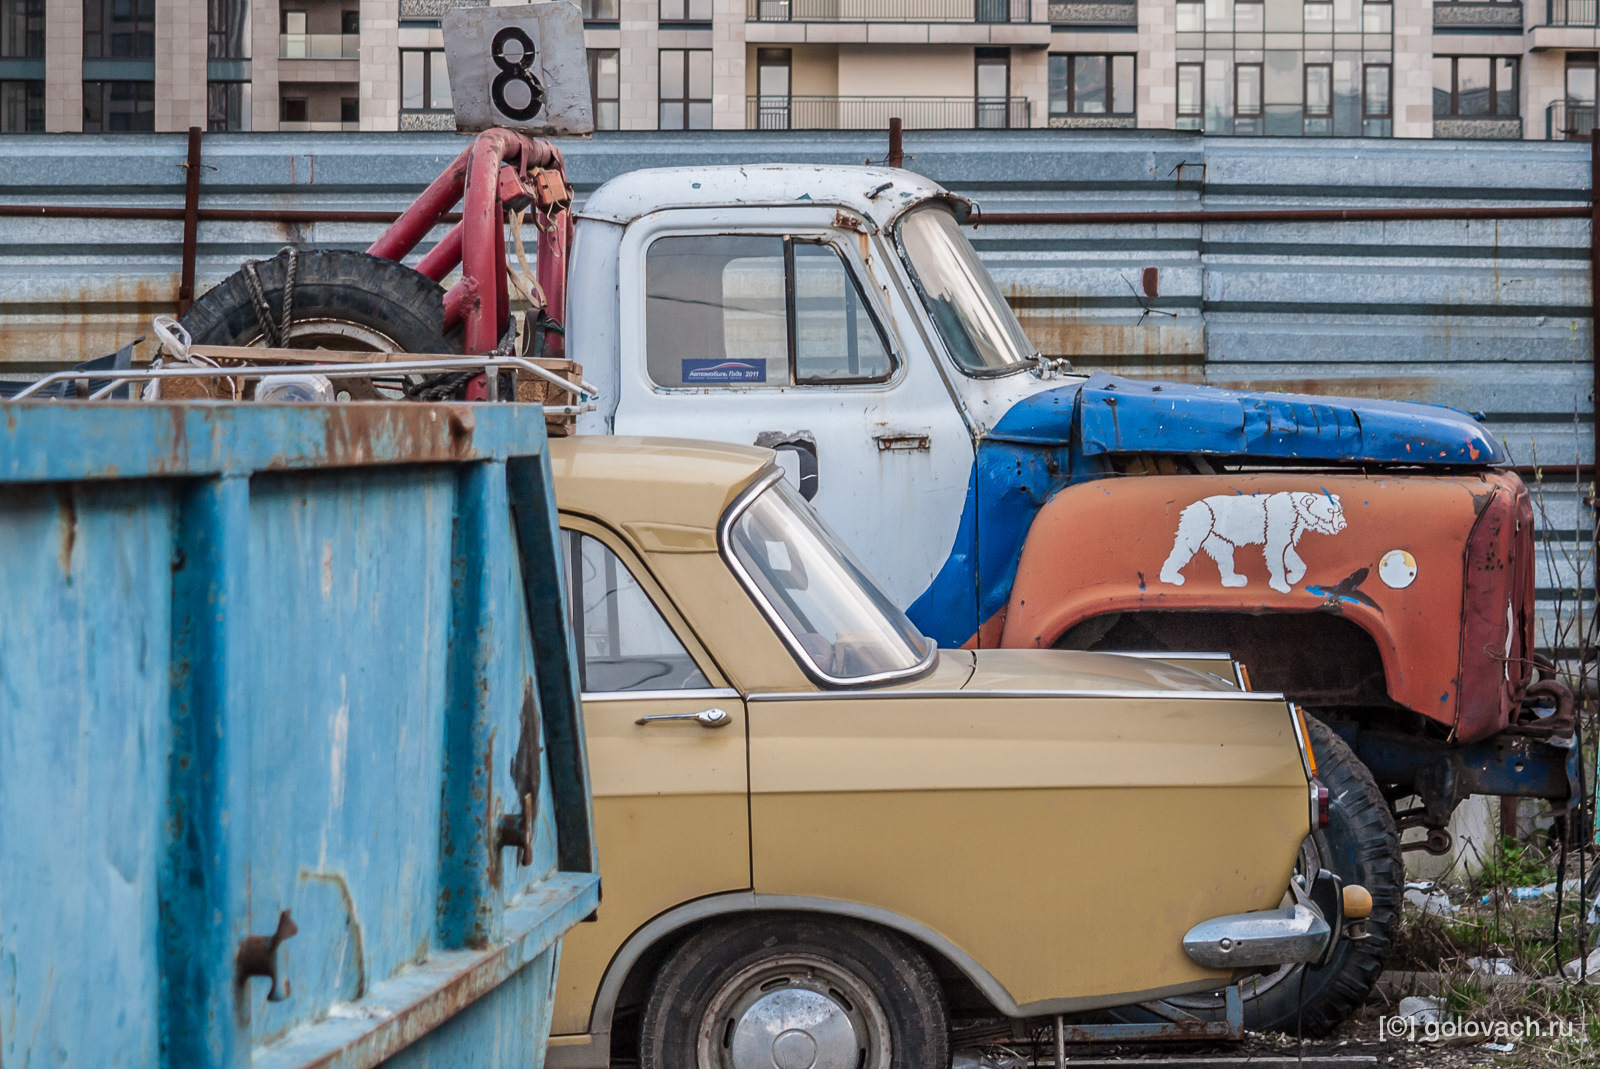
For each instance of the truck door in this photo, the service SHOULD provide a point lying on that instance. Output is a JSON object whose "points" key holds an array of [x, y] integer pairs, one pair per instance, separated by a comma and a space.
{"points": [[784, 332], [666, 746]]}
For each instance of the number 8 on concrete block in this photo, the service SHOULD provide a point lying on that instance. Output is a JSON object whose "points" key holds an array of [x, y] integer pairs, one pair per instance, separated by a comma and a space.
{"points": [[520, 67]]}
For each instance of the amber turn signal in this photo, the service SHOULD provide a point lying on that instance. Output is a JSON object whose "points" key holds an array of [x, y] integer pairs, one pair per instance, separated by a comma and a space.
{"points": [[1357, 902]]}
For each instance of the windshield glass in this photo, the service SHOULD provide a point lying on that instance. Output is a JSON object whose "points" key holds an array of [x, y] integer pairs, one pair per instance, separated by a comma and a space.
{"points": [[978, 326], [831, 613]]}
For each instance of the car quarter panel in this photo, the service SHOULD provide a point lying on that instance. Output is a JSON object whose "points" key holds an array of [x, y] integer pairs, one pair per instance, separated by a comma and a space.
{"points": [[1065, 843]]}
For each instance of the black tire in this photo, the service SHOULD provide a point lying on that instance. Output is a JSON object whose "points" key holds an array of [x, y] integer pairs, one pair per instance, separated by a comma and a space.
{"points": [[333, 286], [1361, 846], [750, 962]]}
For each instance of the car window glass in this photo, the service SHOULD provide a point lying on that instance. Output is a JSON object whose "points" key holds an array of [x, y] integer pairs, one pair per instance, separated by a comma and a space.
{"points": [[624, 643], [715, 311], [835, 336]]}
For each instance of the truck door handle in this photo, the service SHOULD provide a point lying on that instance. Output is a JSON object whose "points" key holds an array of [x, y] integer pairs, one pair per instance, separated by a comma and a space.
{"points": [[706, 718]]}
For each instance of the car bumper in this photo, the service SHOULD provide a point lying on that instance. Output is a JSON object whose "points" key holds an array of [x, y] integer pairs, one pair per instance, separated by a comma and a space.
{"points": [[1296, 933]]}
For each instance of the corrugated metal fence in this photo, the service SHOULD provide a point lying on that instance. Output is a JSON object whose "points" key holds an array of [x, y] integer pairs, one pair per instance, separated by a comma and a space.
{"points": [[1489, 316]]}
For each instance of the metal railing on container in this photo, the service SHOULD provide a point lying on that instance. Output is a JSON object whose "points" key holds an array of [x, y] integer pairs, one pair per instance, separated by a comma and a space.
{"points": [[874, 113], [987, 11]]}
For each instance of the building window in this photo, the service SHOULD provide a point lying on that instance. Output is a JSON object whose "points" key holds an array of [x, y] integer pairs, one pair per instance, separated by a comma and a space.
{"points": [[350, 22], [605, 87], [1288, 68], [119, 29], [350, 109], [1247, 91], [22, 29], [686, 89], [119, 107], [293, 109], [227, 29], [685, 10], [600, 10], [1191, 95], [1091, 85], [227, 107], [773, 85], [424, 80], [21, 107], [1474, 86], [1375, 91], [992, 88]]}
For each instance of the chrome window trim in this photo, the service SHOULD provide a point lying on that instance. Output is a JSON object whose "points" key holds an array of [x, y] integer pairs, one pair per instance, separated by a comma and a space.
{"points": [[1161, 655], [657, 695], [878, 695], [725, 528]]}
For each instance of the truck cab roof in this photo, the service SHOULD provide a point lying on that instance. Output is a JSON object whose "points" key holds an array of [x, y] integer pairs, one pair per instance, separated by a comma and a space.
{"points": [[877, 193], [673, 481]]}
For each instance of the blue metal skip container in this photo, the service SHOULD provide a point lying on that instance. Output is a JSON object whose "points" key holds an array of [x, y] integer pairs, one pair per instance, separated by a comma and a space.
{"points": [[291, 766]]}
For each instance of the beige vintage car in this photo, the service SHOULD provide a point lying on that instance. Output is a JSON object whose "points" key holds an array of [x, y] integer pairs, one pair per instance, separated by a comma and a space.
{"points": [[821, 838]]}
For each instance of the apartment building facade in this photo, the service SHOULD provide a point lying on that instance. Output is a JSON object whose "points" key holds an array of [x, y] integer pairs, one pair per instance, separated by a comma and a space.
{"points": [[1396, 68]]}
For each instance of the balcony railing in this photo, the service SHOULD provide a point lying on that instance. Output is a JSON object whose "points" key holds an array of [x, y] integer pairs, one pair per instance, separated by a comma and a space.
{"points": [[1570, 12], [319, 46], [1082, 13], [874, 113], [1568, 120], [888, 11], [320, 127]]}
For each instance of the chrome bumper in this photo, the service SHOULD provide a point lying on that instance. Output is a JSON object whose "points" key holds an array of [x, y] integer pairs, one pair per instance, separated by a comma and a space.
{"points": [[1270, 937]]}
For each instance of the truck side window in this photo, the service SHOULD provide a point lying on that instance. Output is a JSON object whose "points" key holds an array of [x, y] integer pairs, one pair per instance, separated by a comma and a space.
{"points": [[754, 311], [624, 643]]}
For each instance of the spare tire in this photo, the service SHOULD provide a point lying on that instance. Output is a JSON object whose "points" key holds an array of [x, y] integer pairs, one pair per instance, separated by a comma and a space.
{"points": [[342, 300]]}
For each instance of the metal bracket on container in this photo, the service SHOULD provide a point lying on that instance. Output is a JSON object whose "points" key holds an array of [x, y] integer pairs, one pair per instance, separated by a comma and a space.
{"points": [[516, 829], [258, 956], [1171, 1023]]}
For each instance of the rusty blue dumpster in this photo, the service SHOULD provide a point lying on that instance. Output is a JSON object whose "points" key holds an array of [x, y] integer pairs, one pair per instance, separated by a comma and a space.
{"points": [[291, 767]]}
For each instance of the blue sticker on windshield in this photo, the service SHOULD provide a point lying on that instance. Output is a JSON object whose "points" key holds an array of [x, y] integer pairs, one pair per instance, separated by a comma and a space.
{"points": [[703, 370]]}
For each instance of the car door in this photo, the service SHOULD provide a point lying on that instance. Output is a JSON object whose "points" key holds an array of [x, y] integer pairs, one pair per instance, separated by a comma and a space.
{"points": [[775, 328], [666, 746]]}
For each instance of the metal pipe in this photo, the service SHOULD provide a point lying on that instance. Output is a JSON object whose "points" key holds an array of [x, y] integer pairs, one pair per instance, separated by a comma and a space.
{"points": [[1294, 215], [338, 371], [191, 221], [425, 212], [1594, 291], [897, 155], [444, 257], [205, 215]]}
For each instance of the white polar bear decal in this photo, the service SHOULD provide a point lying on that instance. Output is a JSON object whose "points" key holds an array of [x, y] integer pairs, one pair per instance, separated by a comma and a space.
{"points": [[1223, 523]]}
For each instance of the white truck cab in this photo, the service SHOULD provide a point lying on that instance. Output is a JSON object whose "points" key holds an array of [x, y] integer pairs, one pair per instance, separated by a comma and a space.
{"points": [[789, 306]]}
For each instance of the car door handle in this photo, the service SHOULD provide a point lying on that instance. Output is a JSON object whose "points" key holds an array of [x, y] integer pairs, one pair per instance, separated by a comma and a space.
{"points": [[706, 718]]}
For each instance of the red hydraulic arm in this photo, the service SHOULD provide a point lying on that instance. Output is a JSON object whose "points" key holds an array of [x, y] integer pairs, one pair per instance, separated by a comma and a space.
{"points": [[500, 171]]}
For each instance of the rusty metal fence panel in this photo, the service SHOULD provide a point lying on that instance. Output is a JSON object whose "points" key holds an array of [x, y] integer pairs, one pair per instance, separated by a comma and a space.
{"points": [[273, 678], [1488, 315]]}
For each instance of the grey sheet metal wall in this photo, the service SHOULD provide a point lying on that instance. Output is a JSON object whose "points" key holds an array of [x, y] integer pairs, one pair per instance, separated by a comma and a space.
{"points": [[1486, 316]]}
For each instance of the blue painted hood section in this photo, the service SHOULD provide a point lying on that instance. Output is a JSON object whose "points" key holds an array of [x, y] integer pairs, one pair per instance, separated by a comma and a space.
{"points": [[1118, 415]]}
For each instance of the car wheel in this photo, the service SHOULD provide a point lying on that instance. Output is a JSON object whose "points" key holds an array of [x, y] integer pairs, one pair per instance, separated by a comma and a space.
{"points": [[795, 992]]}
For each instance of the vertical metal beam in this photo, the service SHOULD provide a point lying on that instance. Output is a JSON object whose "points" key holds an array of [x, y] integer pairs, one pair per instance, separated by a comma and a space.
{"points": [[468, 817], [533, 512], [897, 156], [1594, 287], [191, 220], [204, 874]]}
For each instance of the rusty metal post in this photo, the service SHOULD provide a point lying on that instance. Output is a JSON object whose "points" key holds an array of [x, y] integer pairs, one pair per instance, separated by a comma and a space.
{"points": [[897, 156], [191, 220]]}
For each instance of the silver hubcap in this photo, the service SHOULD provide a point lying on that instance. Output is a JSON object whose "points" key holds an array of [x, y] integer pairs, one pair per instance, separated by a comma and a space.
{"points": [[794, 1012]]}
